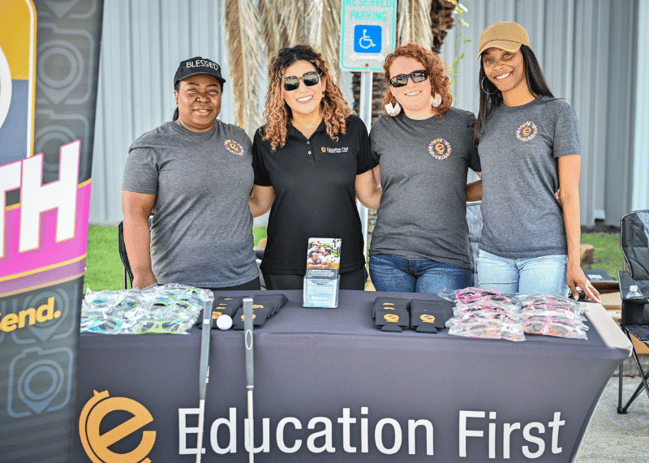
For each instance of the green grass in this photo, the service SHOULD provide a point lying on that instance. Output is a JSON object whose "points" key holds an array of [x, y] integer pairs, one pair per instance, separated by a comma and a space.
{"points": [[104, 268], [103, 265], [607, 255]]}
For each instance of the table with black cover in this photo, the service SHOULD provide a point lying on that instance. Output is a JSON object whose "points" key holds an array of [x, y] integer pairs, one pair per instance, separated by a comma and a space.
{"points": [[331, 387]]}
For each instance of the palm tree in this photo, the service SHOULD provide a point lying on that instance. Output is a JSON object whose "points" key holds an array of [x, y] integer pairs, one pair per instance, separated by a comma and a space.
{"points": [[256, 30]]}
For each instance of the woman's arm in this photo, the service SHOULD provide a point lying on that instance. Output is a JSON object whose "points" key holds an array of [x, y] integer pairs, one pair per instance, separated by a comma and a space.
{"points": [[137, 208], [474, 189], [569, 169], [367, 188], [260, 199]]}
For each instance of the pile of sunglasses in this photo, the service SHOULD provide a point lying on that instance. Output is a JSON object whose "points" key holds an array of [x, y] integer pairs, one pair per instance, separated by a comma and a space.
{"points": [[553, 316], [167, 309], [489, 314]]}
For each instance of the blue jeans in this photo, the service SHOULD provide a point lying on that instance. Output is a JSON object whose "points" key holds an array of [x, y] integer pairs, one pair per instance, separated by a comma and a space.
{"points": [[537, 275], [399, 275]]}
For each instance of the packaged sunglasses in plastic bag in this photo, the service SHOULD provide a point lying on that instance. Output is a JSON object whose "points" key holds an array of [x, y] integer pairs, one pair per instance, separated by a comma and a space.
{"points": [[171, 308], [473, 327]]}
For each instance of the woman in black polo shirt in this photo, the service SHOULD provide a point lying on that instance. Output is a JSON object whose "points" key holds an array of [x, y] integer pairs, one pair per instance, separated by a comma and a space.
{"points": [[313, 157]]}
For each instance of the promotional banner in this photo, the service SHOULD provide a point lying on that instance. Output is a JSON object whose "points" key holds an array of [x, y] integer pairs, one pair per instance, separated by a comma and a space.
{"points": [[48, 84]]}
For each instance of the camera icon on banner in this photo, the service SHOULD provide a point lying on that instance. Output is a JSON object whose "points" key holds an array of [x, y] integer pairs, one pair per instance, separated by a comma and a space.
{"points": [[37, 316], [39, 381]]}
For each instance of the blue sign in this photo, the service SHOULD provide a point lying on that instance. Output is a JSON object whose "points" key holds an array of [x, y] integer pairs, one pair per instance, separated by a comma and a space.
{"points": [[367, 39], [367, 34]]}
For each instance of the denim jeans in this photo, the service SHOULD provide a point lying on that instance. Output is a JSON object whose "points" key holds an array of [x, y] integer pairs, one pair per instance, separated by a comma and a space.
{"points": [[536, 275], [396, 274]]}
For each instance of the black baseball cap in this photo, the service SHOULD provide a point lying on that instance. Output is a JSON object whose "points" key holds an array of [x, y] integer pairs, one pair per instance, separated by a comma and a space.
{"points": [[198, 65]]}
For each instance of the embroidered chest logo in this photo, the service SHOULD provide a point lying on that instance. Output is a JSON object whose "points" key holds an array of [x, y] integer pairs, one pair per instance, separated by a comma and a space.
{"points": [[440, 149], [527, 131], [326, 149], [234, 147]]}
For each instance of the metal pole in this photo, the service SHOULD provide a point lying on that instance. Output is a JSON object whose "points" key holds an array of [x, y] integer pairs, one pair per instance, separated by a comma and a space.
{"points": [[250, 373], [366, 117], [204, 374]]}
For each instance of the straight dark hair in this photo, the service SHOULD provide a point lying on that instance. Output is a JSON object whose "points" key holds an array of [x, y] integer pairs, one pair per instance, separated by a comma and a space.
{"points": [[176, 112], [491, 97]]}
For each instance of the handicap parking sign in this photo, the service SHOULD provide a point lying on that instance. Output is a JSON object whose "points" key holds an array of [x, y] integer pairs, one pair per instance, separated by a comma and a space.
{"points": [[367, 39]]}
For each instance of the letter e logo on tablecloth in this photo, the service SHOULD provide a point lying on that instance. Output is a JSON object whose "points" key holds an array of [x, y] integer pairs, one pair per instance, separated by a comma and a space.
{"points": [[98, 446]]}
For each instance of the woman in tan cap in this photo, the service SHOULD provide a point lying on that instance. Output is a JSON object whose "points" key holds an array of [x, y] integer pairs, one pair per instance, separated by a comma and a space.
{"points": [[528, 142]]}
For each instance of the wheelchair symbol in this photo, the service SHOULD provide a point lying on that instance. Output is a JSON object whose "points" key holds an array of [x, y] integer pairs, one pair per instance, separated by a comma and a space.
{"points": [[365, 41], [367, 38]]}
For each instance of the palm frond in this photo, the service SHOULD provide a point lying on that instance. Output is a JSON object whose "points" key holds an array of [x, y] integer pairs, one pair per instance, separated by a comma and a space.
{"points": [[294, 16], [243, 33], [273, 27], [414, 24], [324, 17]]}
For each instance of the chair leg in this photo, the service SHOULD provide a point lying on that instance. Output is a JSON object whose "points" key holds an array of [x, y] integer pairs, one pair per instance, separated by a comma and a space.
{"points": [[644, 384], [620, 410]]}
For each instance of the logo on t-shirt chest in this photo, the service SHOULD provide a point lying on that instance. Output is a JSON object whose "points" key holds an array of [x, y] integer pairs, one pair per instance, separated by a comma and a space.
{"points": [[440, 149], [527, 131], [234, 147], [335, 150]]}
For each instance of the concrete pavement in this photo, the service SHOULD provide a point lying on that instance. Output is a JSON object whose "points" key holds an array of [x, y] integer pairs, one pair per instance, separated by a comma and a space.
{"points": [[614, 438]]}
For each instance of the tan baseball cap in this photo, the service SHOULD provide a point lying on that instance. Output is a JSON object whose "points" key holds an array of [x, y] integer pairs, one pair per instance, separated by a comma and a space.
{"points": [[506, 35]]}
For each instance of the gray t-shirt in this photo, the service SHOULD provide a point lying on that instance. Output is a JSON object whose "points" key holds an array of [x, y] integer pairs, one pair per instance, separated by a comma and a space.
{"points": [[201, 232], [424, 165], [518, 153]]}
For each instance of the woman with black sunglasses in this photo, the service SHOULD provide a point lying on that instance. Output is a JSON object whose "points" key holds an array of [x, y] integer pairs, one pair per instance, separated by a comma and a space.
{"points": [[311, 159], [424, 148]]}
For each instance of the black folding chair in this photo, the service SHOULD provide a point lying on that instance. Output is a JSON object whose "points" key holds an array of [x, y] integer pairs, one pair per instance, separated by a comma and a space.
{"points": [[128, 273], [634, 241]]}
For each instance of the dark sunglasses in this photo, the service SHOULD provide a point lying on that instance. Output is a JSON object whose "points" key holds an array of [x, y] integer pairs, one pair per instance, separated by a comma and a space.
{"points": [[293, 82], [402, 79]]}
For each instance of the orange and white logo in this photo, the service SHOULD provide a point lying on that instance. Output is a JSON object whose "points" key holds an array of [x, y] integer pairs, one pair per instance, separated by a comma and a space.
{"points": [[97, 445]]}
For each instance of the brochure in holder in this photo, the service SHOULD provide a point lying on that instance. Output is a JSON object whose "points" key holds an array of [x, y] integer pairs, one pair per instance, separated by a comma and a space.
{"points": [[322, 281]]}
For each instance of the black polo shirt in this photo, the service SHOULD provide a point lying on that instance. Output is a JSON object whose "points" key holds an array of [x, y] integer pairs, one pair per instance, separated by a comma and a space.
{"points": [[313, 181]]}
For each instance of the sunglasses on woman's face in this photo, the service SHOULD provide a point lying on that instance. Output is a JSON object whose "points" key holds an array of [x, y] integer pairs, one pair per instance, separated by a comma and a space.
{"points": [[293, 82], [402, 79]]}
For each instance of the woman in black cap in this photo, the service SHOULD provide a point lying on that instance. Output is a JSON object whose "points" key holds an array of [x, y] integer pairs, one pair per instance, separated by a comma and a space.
{"points": [[194, 175], [313, 157]]}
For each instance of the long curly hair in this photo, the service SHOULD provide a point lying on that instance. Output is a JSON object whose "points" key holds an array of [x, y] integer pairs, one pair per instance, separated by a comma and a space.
{"points": [[439, 81], [278, 115]]}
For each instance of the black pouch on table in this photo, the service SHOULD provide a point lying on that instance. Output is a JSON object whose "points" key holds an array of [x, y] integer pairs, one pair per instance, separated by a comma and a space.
{"points": [[396, 303], [221, 306], [225, 305], [273, 302], [391, 319], [259, 317], [429, 316], [264, 306]]}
